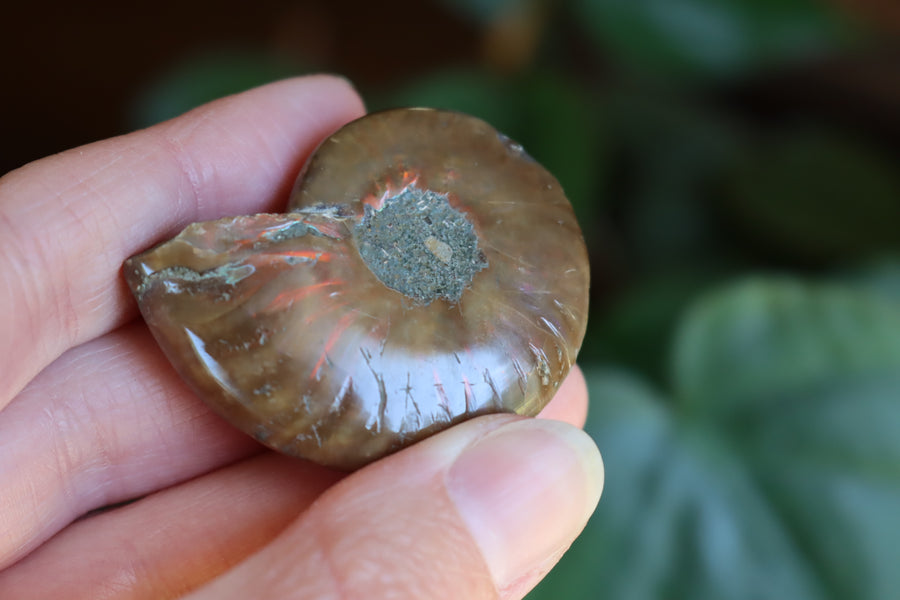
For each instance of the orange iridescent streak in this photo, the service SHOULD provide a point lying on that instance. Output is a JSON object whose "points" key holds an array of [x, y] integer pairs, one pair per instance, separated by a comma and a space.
{"points": [[250, 240], [286, 298], [339, 329], [407, 178], [332, 230], [330, 307]]}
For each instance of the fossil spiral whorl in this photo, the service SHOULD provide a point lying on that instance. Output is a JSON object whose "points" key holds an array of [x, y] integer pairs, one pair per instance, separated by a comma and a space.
{"points": [[428, 271]]}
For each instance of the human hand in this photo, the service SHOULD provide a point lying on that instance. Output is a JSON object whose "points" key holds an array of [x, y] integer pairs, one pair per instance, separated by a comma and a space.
{"points": [[91, 414]]}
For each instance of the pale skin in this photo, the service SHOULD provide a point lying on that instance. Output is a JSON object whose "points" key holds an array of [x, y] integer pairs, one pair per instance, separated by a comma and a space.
{"points": [[91, 414]]}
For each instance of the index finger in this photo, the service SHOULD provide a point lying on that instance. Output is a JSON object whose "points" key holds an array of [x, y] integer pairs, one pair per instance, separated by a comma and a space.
{"points": [[68, 221]]}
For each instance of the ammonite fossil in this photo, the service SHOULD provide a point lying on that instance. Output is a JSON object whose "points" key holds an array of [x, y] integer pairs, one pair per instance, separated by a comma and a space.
{"points": [[428, 271]]}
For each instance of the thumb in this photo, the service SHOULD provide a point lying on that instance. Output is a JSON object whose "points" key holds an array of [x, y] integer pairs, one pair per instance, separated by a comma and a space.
{"points": [[482, 510]]}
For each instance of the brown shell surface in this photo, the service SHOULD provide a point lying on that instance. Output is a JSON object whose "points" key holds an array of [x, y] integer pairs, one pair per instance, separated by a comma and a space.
{"points": [[277, 322]]}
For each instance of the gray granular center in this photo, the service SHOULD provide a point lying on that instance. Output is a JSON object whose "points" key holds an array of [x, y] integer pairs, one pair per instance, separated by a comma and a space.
{"points": [[420, 246]]}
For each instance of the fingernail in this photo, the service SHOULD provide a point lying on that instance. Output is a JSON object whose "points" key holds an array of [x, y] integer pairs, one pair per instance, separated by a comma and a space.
{"points": [[525, 491]]}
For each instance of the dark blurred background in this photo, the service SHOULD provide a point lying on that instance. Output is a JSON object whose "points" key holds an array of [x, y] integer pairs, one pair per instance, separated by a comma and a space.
{"points": [[734, 165]]}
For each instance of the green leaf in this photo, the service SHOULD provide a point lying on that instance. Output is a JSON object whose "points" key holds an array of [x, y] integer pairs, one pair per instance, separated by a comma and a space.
{"points": [[805, 379], [777, 472], [881, 276], [832, 471], [764, 340], [710, 38], [681, 516]]}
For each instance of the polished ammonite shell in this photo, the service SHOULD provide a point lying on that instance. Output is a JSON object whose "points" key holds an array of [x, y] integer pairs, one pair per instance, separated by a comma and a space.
{"points": [[428, 271]]}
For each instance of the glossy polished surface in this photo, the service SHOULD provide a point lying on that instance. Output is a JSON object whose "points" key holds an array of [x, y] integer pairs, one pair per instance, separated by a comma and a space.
{"points": [[429, 271]]}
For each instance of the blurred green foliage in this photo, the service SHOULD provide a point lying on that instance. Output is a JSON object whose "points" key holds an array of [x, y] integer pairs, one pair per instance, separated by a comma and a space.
{"points": [[819, 195], [769, 468], [710, 38], [204, 77], [750, 424]]}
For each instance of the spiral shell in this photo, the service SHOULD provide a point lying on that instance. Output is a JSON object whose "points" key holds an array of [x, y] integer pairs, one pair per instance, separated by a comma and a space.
{"points": [[428, 271]]}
